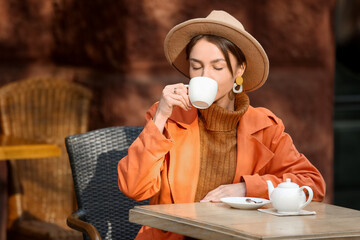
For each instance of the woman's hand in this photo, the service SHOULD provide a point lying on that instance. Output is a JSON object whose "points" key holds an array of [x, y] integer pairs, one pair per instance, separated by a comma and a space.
{"points": [[172, 95], [229, 190]]}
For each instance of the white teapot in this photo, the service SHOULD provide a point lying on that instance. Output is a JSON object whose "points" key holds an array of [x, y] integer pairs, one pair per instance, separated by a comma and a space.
{"points": [[288, 197]]}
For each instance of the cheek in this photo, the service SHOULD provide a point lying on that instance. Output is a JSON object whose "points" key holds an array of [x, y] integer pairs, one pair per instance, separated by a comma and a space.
{"points": [[225, 86]]}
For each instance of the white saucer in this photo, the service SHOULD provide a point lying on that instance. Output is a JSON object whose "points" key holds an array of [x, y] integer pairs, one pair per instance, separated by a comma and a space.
{"points": [[241, 203]]}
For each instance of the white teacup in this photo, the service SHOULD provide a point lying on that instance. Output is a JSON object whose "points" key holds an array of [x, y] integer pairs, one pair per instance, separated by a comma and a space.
{"points": [[202, 91]]}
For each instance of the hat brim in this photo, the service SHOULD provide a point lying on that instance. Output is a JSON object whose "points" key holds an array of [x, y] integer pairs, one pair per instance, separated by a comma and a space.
{"points": [[257, 63]]}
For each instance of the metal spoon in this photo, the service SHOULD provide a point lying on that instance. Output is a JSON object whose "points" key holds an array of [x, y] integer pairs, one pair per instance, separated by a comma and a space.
{"points": [[252, 201]]}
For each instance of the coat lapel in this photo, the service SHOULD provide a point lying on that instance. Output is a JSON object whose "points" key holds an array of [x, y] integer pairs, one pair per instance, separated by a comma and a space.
{"points": [[252, 154], [185, 155]]}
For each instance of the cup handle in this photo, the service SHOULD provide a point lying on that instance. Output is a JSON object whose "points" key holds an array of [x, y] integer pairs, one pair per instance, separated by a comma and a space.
{"points": [[311, 194], [186, 85]]}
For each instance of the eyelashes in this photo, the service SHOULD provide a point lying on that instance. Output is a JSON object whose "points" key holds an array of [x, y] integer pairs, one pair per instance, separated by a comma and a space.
{"points": [[216, 68]]}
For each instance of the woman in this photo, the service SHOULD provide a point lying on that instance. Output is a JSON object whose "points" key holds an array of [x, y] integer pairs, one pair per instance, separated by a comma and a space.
{"points": [[186, 154]]}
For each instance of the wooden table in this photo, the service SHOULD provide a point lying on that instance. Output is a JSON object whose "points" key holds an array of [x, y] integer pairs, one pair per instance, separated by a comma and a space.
{"points": [[12, 148], [16, 148], [218, 221]]}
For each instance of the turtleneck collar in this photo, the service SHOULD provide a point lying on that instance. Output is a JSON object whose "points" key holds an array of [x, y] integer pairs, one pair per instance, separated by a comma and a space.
{"points": [[216, 118]]}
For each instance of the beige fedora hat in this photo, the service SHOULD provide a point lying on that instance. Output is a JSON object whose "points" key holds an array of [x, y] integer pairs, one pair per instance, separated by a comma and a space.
{"points": [[218, 23]]}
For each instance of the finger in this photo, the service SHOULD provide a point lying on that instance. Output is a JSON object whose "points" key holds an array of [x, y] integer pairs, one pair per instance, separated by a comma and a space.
{"points": [[179, 87], [211, 196], [177, 101], [168, 101], [216, 194], [182, 90], [186, 91], [228, 190], [211, 199], [183, 98]]}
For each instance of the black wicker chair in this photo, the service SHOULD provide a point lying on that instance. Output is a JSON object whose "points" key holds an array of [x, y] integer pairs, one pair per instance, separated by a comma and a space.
{"points": [[102, 208]]}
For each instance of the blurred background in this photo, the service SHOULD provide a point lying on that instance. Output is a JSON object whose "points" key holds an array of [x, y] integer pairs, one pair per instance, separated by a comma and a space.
{"points": [[347, 104], [115, 48]]}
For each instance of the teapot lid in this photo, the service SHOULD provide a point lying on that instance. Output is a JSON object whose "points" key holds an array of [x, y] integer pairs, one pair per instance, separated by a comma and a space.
{"points": [[288, 184]]}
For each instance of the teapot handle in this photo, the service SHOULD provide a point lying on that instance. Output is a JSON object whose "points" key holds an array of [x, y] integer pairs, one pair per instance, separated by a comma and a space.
{"points": [[310, 191]]}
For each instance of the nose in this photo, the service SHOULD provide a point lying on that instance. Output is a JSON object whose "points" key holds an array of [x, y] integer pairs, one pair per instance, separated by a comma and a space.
{"points": [[205, 72]]}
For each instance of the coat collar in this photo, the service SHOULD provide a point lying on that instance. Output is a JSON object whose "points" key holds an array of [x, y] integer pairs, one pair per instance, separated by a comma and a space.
{"points": [[259, 119], [179, 116]]}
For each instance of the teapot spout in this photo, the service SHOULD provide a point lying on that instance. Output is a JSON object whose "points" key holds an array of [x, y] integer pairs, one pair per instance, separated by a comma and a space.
{"points": [[270, 187]]}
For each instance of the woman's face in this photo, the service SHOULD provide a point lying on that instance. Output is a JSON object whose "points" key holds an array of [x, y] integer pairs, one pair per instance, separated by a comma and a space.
{"points": [[207, 60]]}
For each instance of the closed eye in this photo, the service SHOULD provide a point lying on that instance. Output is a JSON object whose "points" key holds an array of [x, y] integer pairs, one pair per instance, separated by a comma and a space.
{"points": [[195, 68]]}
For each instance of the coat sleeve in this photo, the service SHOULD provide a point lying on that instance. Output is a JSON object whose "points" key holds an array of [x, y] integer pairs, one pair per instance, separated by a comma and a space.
{"points": [[287, 162], [139, 173]]}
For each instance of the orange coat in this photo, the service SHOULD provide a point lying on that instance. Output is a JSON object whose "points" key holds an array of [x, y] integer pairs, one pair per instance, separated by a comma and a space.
{"points": [[165, 167]]}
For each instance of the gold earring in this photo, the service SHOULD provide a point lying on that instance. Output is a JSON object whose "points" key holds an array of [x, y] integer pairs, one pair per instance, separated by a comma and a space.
{"points": [[239, 80]]}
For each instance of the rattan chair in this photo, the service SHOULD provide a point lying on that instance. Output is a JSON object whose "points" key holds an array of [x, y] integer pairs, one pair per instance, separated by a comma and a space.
{"points": [[42, 192], [103, 209]]}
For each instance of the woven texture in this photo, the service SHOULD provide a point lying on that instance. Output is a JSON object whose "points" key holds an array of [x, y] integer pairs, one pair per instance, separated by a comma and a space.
{"points": [[46, 110], [93, 158]]}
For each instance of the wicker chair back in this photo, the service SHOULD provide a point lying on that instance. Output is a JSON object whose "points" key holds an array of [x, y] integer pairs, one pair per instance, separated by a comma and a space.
{"points": [[47, 110], [93, 158]]}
